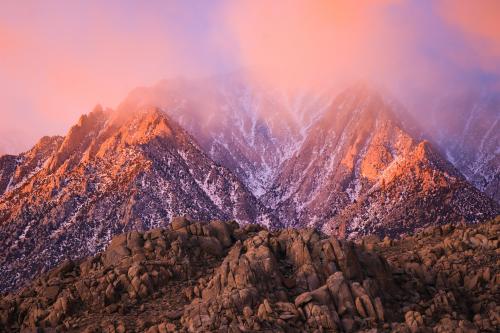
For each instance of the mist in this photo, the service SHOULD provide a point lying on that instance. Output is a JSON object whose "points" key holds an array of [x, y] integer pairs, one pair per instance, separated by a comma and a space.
{"points": [[59, 59]]}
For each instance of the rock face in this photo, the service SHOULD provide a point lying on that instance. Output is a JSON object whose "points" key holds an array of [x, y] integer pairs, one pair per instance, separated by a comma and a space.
{"points": [[15, 170], [454, 274], [223, 277], [8, 165], [416, 191], [111, 173], [248, 128], [362, 170], [352, 165]]}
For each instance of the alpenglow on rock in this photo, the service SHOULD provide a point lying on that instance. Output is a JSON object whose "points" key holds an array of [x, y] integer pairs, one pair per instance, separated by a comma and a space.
{"points": [[320, 160], [349, 166], [111, 173], [363, 168]]}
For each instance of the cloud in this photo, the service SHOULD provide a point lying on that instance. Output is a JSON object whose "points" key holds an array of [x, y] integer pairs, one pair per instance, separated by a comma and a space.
{"points": [[413, 48], [58, 59], [478, 22], [304, 42]]}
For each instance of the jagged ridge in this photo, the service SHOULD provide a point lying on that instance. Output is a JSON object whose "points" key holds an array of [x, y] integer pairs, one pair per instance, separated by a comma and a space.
{"points": [[361, 170], [358, 170], [111, 173]]}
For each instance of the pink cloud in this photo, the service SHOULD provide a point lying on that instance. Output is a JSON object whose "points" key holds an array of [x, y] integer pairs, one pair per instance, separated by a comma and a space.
{"points": [[58, 60], [303, 42], [479, 23]]}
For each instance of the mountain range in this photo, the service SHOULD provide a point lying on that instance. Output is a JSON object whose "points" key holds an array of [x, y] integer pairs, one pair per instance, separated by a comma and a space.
{"points": [[349, 164]]}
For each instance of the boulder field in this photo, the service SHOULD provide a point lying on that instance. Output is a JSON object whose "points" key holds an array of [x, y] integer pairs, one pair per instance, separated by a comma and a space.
{"points": [[222, 277]]}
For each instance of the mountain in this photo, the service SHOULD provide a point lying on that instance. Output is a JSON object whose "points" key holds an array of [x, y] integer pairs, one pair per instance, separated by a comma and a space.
{"points": [[348, 166], [248, 128], [222, 277], [112, 172], [16, 170], [466, 124], [309, 157], [362, 169]]}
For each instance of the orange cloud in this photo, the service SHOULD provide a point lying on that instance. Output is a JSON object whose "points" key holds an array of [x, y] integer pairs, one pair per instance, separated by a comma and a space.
{"points": [[312, 42], [57, 60], [479, 22]]}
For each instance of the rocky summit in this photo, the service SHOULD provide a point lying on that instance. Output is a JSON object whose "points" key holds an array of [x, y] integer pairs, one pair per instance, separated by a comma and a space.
{"points": [[225, 277]]}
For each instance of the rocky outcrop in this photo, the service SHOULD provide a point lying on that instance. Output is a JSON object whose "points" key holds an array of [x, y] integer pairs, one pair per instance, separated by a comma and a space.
{"points": [[292, 280], [454, 274], [220, 276]]}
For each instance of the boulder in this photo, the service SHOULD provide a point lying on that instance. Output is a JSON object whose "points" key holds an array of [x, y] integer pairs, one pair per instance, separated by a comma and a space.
{"points": [[179, 222]]}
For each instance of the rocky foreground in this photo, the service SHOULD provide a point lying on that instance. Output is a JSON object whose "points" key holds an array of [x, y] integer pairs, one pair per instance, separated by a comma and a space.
{"points": [[220, 276]]}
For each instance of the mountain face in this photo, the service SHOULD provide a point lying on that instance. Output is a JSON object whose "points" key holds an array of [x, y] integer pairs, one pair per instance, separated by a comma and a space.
{"points": [[309, 157], [347, 166], [466, 124], [249, 129], [111, 173], [222, 277], [361, 171], [418, 190], [16, 170]]}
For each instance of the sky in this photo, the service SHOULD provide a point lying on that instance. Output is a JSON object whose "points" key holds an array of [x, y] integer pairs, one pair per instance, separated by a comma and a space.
{"points": [[58, 59]]}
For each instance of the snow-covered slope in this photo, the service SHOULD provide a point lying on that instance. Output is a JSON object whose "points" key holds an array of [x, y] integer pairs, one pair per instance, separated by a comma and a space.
{"points": [[304, 157], [112, 172], [360, 171], [247, 128], [466, 124]]}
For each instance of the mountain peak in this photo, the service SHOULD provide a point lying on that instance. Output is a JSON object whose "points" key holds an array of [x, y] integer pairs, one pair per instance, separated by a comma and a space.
{"points": [[101, 130], [144, 124], [78, 139], [362, 167], [112, 172], [92, 116]]}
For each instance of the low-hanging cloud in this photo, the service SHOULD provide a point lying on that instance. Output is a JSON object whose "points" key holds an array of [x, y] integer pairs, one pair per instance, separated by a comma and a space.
{"points": [[310, 42], [59, 58]]}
